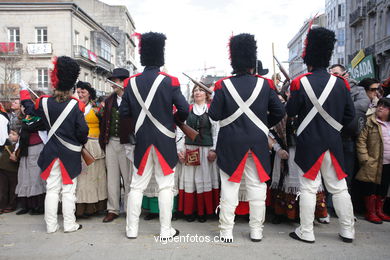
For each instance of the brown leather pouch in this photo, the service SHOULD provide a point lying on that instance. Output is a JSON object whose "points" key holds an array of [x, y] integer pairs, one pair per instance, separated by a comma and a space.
{"points": [[87, 156]]}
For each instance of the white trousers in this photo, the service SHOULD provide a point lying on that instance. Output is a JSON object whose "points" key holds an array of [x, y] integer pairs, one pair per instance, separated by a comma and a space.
{"points": [[341, 201], [55, 187], [256, 195], [117, 165], [165, 197]]}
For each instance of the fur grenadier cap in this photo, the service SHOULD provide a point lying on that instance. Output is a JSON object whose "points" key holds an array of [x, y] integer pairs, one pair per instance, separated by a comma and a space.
{"points": [[152, 49], [243, 52], [65, 73], [319, 48]]}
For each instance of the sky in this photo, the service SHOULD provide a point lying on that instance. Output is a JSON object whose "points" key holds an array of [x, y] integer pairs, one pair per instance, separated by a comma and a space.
{"points": [[198, 31]]}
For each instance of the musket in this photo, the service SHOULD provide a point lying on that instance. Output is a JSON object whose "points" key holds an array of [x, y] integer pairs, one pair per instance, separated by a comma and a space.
{"points": [[113, 83], [187, 130], [200, 84], [23, 84], [286, 82]]}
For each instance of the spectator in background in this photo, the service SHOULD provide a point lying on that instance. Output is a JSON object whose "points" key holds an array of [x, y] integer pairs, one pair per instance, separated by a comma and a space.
{"points": [[371, 86], [350, 132], [373, 148], [91, 190], [31, 188], [8, 174], [14, 114], [386, 87]]}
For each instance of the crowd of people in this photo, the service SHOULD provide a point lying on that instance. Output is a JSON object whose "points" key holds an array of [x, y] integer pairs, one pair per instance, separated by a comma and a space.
{"points": [[248, 153]]}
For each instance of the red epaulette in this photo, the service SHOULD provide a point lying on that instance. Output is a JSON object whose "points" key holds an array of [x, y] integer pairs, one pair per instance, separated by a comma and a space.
{"points": [[126, 81], [270, 81], [81, 104], [175, 81], [218, 84], [39, 100], [345, 81], [296, 83]]}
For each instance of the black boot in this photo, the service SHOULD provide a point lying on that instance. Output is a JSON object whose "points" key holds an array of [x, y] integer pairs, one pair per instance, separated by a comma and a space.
{"points": [[22, 211], [202, 218]]}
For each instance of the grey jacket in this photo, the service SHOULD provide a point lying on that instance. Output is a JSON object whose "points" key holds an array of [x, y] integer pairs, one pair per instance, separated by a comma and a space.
{"points": [[361, 103]]}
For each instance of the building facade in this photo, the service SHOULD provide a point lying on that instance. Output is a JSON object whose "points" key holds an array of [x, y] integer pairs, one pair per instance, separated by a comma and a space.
{"points": [[335, 13], [296, 45], [368, 38], [33, 32], [118, 22]]}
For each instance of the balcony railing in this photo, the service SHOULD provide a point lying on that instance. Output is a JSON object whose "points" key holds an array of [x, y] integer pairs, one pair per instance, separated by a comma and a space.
{"points": [[82, 53], [104, 64], [11, 48], [371, 4], [357, 15], [383, 45], [37, 49]]}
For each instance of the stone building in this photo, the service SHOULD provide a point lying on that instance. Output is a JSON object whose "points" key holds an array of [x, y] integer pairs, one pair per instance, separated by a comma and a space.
{"points": [[335, 14], [368, 38], [295, 46], [32, 32]]}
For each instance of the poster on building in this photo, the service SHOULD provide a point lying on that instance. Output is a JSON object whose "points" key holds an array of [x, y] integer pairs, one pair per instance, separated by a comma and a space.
{"points": [[364, 69], [39, 48]]}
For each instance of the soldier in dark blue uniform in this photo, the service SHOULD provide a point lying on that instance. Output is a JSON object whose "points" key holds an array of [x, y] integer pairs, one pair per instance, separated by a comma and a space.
{"points": [[246, 106], [60, 159], [149, 98], [323, 105]]}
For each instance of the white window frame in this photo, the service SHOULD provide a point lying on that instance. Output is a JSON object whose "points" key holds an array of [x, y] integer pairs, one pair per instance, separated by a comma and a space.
{"points": [[42, 74], [13, 34], [15, 76], [76, 37], [41, 35], [86, 43]]}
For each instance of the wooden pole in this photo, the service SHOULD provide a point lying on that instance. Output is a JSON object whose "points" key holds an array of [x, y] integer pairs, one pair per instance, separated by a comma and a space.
{"points": [[273, 62]]}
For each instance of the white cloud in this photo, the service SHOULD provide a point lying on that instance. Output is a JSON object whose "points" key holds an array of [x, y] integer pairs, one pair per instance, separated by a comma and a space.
{"points": [[198, 31]]}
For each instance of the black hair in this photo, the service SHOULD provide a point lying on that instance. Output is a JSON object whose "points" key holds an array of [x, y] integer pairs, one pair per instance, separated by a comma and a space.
{"points": [[87, 86], [367, 82], [342, 67]]}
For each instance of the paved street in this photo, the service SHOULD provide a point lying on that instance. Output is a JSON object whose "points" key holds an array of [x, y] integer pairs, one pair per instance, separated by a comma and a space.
{"points": [[24, 237]]}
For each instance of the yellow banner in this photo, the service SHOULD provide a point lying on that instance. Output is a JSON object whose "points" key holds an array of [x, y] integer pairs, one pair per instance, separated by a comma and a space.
{"points": [[358, 58]]}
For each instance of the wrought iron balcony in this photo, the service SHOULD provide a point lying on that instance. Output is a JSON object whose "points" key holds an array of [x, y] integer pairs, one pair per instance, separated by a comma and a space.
{"points": [[371, 7], [84, 55], [11, 49], [358, 15], [383, 45]]}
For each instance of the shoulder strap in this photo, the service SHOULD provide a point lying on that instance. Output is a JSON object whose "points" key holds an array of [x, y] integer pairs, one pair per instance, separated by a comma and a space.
{"points": [[58, 123], [313, 99]]}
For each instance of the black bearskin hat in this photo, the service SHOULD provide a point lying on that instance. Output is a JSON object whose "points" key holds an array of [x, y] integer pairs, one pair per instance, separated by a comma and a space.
{"points": [[319, 48], [87, 87], [243, 52], [152, 49], [65, 73]]}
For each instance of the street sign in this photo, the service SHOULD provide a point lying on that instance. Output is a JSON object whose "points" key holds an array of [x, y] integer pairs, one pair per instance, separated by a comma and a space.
{"points": [[358, 58], [363, 69]]}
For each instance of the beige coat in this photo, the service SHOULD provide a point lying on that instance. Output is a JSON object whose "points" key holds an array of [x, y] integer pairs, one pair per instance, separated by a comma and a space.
{"points": [[370, 152]]}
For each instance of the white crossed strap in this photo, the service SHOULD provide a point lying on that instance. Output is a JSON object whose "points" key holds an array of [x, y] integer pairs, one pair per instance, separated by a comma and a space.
{"points": [[243, 107], [317, 105], [58, 122], [145, 107]]}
